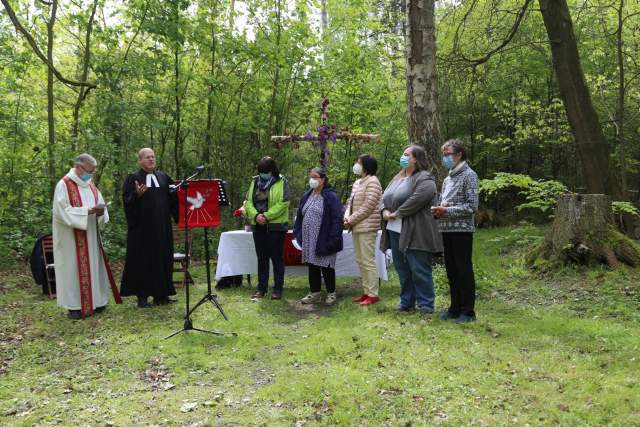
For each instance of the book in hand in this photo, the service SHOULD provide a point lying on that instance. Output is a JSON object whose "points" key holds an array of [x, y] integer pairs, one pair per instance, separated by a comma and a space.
{"points": [[102, 205]]}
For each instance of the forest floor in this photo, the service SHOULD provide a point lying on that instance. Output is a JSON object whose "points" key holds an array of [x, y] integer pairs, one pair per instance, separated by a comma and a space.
{"points": [[546, 349]]}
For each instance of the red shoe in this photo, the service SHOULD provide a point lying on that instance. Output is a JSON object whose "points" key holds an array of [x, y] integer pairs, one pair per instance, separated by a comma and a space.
{"points": [[360, 298], [370, 300]]}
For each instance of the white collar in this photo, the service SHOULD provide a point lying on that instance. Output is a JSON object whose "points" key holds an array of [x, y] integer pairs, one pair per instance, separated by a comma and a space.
{"points": [[152, 181], [75, 178]]}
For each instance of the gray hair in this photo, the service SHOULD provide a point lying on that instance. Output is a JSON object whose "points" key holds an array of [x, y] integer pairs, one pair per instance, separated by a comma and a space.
{"points": [[84, 159], [457, 146]]}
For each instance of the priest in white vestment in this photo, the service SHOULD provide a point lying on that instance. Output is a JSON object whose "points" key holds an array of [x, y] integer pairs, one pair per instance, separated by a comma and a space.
{"points": [[82, 275]]}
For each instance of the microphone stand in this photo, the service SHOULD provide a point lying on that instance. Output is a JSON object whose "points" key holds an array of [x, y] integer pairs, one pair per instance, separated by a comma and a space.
{"points": [[188, 324]]}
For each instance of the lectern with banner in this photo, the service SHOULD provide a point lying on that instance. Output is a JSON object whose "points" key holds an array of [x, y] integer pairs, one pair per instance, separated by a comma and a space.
{"points": [[200, 202]]}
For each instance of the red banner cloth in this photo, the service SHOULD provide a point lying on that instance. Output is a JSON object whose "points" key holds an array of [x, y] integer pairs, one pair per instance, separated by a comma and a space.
{"points": [[202, 204], [292, 256]]}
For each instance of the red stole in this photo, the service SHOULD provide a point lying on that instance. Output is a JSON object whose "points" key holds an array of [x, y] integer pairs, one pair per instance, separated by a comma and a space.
{"points": [[82, 252]]}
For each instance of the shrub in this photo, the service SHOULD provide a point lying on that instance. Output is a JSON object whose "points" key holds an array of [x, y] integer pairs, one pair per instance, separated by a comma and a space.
{"points": [[538, 194]]}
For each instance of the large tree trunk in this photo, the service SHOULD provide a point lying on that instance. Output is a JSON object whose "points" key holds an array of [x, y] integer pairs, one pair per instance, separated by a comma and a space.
{"points": [[592, 148], [583, 232], [422, 90]]}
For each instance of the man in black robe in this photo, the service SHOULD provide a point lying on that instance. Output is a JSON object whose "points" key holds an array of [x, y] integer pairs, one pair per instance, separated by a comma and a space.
{"points": [[149, 205]]}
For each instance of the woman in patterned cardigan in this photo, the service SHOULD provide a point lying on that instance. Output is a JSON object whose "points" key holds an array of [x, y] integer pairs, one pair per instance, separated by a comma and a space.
{"points": [[458, 204]]}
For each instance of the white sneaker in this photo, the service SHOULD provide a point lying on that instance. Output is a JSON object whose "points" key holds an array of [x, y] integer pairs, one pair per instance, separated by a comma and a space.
{"points": [[331, 298], [312, 298]]}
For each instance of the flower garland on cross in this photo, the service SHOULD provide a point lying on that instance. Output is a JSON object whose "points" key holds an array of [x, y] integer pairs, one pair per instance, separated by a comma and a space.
{"points": [[326, 132]]}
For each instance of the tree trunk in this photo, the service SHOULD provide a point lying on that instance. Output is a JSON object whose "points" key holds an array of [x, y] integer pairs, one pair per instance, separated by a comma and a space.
{"points": [[178, 140], [85, 73], [51, 170], [208, 134], [592, 148], [324, 19], [619, 120], [422, 90], [583, 232], [276, 79]]}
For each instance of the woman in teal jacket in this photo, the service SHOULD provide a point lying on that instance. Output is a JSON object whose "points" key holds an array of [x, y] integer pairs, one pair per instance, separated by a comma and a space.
{"points": [[267, 207]]}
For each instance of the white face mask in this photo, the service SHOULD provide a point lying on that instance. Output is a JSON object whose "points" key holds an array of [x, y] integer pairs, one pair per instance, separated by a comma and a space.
{"points": [[314, 183], [357, 169]]}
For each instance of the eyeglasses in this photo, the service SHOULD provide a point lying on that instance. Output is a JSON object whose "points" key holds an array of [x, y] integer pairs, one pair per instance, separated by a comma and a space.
{"points": [[90, 172]]}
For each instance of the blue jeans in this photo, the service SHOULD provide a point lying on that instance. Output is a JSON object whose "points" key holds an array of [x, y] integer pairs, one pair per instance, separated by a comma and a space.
{"points": [[416, 279]]}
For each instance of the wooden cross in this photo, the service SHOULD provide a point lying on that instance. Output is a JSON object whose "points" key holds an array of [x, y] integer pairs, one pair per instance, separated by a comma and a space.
{"points": [[326, 133]]}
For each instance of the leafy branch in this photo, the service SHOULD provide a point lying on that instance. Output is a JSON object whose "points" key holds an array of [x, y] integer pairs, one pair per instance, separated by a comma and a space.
{"points": [[20, 28]]}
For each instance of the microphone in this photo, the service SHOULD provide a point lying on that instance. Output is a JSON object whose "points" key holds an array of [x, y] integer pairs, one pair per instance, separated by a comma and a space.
{"points": [[200, 168]]}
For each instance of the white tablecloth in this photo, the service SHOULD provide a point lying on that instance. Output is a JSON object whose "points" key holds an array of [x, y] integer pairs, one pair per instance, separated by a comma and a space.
{"points": [[237, 255]]}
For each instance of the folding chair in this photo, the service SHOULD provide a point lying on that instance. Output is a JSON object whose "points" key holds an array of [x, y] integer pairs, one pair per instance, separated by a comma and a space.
{"points": [[180, 259], [50, 272]]}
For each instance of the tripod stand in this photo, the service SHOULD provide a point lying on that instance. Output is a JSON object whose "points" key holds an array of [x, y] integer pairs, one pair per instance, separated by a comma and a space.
{"points": [[188, 323]]}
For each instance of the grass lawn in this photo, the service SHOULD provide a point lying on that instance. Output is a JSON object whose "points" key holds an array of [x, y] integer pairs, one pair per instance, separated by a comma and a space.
{"points": [[558, 349]]}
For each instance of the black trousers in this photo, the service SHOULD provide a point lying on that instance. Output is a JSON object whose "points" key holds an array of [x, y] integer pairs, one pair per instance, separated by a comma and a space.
{"points": [[315, 281], [269, 247], [458, 248]]}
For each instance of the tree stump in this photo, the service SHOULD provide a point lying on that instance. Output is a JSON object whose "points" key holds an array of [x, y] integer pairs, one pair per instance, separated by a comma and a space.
{"points": [[583, 232]]}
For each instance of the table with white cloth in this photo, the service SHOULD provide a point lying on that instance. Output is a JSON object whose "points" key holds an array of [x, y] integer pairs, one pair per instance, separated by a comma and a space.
{"points": [[237, 256]]}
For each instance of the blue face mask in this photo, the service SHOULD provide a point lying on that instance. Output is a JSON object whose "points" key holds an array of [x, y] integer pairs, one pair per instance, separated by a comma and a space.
{"points": [[447, 161], [265, 176], [404, 161], [85, 176]]}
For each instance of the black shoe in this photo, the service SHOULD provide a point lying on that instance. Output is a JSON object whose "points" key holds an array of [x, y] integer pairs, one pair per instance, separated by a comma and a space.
{"points": [[425, 310], [446, 315], [143, 303], [100, 309], [75, 314], [402, 308], [464, 318]]}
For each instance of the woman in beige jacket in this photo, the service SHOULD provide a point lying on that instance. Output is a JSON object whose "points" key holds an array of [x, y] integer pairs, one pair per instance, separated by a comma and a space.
{"points": [[362, 217]]}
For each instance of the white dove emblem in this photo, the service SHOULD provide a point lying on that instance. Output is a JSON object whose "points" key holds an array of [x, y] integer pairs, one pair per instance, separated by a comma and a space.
{"points": [[196, 202]]}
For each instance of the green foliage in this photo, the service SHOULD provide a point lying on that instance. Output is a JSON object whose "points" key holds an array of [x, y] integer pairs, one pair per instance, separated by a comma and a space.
{"points": [[625, 208], [538, 194], [242, 75]]}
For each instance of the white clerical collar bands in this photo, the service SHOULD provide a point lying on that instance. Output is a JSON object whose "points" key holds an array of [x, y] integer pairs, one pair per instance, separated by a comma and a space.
{"points": [[152, 181]]}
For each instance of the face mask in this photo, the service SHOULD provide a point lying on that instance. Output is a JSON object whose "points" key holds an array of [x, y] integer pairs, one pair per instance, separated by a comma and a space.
{"points": [[265, 176], [404, 161], [85, 176], [447, 162], [314, 183], [357, 169]]}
